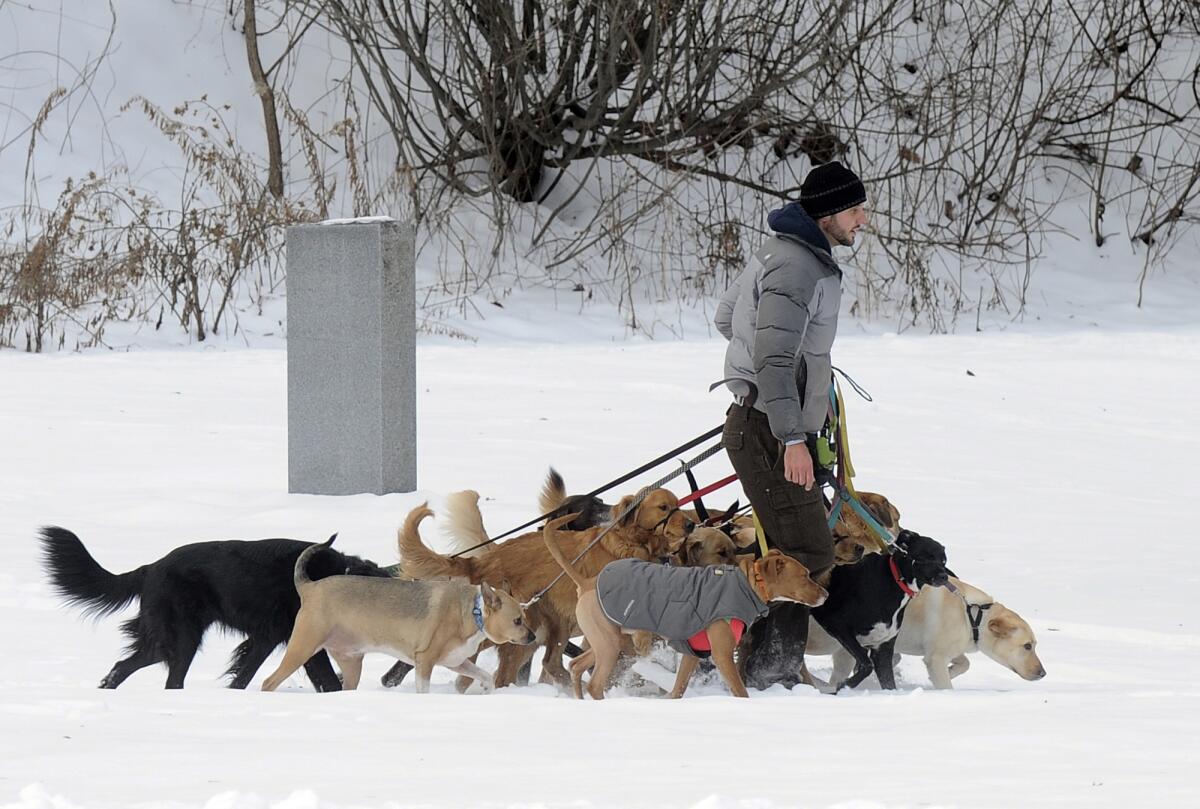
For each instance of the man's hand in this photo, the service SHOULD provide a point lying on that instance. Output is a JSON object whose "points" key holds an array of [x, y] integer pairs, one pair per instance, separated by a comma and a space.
{"points": [[798, 466]]}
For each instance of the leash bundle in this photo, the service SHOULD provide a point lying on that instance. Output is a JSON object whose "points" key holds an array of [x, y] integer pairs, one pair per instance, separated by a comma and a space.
{"points": [[685, 468], [661, 459]]}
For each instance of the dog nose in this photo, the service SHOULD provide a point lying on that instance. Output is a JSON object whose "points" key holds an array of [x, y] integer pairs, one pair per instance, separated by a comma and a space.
{"points": [[688, 526], [858, 552], [1040, 674]]}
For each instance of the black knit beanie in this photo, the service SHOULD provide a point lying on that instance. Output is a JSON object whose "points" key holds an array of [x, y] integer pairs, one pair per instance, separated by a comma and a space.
{"points": [[831, 188]]}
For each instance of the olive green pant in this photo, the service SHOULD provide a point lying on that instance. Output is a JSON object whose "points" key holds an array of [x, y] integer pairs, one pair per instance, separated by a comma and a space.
{"points": [[794, 521]]}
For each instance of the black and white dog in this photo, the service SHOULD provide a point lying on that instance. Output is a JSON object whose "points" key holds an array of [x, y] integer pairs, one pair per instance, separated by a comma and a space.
{"points": [[244, 586], [866, 602]]}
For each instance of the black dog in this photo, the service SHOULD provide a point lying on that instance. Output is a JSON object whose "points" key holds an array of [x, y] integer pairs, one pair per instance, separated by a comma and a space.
{"points": [[866, 602], [244, 586]]}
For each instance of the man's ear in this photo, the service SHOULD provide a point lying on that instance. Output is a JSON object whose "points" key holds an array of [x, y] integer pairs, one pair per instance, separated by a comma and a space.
{"points": [[622, 505]]}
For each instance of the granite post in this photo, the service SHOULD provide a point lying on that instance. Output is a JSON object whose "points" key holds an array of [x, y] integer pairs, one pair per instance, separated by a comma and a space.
{"points": [[351, 357]]}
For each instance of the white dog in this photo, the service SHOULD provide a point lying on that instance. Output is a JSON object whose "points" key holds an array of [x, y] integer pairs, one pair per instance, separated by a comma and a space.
{"points": [[943, 627]]}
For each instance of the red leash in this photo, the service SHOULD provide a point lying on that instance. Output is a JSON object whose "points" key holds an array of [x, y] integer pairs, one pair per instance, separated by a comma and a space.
{"points": [[712, 487]]}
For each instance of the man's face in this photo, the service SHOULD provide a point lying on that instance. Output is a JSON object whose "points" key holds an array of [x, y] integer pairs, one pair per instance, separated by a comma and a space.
{"points": [[842, 226]]}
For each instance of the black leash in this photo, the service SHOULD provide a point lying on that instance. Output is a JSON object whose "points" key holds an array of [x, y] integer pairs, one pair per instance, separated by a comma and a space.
{"points": [[637, 501], [666, 456]]}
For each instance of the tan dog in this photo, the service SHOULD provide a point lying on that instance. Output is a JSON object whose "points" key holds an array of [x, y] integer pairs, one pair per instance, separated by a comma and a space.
{"points": [[937, 627], [422, 623], [705, 546], [646, 533], [773, 578], [853, 538]]}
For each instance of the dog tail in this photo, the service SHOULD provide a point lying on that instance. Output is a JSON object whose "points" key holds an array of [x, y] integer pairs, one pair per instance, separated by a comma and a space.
{"points": [[554, 492], [550, 535], [463, 525], [80, 580], [418, 561], [300, 574]]}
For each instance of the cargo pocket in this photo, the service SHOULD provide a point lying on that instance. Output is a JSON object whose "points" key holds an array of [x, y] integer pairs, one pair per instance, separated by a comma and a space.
{"points": [[733, 441], [792, 507]]}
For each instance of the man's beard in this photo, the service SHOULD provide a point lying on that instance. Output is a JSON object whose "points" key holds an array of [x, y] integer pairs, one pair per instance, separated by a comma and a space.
{"points": [[840, 235]]}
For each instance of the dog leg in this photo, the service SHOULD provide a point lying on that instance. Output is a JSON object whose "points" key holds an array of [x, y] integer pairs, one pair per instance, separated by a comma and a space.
{"points": [[351, 666], [579, 665], [959, 665], [939, 670], [843, 665], [462, 682], [424, 670], [808, 678], [512, 658], [605, 650], [321, 674], [720, 637], [123, 668], [247, 658], [396, 674], [179, 658], [881, 661], [683, 675], [468, 669], [306, 639], [862, 659], [552, 660]]}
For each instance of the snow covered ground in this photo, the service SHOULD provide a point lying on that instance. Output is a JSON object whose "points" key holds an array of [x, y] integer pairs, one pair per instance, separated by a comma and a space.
{"points": [[1060, 475]]}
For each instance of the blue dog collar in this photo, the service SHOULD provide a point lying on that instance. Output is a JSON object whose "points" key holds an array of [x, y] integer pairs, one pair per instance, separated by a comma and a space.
{"points": [[477, 611]]}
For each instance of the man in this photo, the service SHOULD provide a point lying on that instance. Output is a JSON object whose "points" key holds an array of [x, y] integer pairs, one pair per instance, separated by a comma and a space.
{"points": [[780, 317]]}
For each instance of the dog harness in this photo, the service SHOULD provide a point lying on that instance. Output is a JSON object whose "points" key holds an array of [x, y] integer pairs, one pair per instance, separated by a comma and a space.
{"points": [[976, 618], [677, 603]]}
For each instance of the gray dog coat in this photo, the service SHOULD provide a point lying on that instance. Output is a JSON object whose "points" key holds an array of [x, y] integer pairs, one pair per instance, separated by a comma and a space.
{"points": [[675, 602]]}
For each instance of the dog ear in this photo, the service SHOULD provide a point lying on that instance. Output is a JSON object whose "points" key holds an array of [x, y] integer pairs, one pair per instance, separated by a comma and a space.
{"points": [[490, 600], [622, 505], [1000, 628], [882, 510]]}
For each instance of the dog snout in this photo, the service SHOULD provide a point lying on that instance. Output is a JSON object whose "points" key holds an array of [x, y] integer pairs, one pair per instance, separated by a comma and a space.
{"points": [[859, 550], [1039, 674], [689, 526], [529, 638]]}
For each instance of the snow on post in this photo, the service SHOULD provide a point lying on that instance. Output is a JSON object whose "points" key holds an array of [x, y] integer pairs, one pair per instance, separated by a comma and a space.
{"points": [[351, 357]]}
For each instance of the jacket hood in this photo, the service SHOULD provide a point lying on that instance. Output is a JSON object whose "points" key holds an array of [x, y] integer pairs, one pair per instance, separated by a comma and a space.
{"points": [[793, 220]]}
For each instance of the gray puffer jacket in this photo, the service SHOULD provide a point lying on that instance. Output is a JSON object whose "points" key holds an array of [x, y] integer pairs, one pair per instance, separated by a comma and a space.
{"points": [[780, 318], [675, 602]]}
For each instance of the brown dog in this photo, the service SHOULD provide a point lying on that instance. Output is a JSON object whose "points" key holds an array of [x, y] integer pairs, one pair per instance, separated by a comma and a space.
{"points": [[423, 623], [773, 578], [705, 546], [646, 533], [853, 538]]}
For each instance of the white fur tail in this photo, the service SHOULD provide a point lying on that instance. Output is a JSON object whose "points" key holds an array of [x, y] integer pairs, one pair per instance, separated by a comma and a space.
{"points": [[462, 523], [554, 492]]}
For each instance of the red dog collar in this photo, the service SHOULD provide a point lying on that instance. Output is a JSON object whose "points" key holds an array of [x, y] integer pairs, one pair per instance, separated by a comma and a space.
{"points": [[908, 591]]}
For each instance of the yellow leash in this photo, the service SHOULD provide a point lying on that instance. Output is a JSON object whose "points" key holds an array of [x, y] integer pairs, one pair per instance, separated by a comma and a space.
{"points": [[758, 532]]}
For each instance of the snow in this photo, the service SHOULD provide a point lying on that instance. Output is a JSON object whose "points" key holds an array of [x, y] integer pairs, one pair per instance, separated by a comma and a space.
{"points": [[1059, 472], [1060, 476]]}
